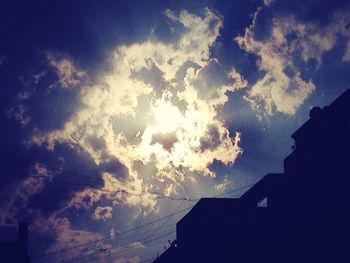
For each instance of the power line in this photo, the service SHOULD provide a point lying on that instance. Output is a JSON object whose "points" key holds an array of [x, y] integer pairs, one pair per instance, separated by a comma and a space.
{"points": [[143, 192], [133, 238], [130, 246], [107, 238], [166, 220], [125, 192], [145, 242], [228, 192], [95, 180], [136, 228], [144, 232], [89, 184], [154, 232]]}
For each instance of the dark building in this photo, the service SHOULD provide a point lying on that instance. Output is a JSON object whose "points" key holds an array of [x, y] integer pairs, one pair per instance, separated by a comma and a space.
{"points": [[307, 216], [15, 251]]}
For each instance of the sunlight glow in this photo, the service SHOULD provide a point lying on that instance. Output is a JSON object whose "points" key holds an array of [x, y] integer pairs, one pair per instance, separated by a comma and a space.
{"points": [[167, 116]]}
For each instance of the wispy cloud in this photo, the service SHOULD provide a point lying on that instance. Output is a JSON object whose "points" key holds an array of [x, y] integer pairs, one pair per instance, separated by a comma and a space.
{"points": [[282, 87], [277, 91], [38, 177], [65, 237], [69, 75], [20, 113]]}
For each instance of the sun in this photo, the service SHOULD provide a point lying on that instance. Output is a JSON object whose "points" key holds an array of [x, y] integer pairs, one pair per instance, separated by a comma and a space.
{"points": [[165, 138], [168, 117], [173, 138]]}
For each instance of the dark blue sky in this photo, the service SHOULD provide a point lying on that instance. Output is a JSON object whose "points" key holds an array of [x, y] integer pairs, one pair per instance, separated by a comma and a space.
{"points": [[112, 112]]}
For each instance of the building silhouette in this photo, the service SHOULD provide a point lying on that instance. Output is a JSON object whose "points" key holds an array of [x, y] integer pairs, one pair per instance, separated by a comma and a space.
{"points": [[306, 216], [15, 251]]}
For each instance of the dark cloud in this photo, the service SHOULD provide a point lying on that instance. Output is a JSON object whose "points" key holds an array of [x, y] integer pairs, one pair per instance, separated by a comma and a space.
{"points": [[210, 78], [78, 28], [211, 140], [167, 140], [151, 75], [318, 11], [115, 167], [130, 127]]}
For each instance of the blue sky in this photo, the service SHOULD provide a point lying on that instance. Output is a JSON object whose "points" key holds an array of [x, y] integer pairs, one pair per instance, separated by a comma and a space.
{"points": [[113, 112]]}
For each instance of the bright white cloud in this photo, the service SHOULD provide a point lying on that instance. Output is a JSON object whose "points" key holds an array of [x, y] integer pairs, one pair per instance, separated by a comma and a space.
{"points": [[157, 106]]}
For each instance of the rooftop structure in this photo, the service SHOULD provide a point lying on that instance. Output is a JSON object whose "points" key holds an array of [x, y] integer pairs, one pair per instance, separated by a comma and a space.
{"points": [[307, 215]]}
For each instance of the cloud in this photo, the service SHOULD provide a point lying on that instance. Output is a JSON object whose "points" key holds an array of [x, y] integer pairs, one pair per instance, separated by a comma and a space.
{"points": [[346, 56], [276, 91], [69, 76], [33, 184], [282, 87], [87, 245], [313, 40], [268, 2], [19, 113], [84, 199], [102, 213], [212, 82], [155, 106], [65, 237], [131, 245], [224, 184]]}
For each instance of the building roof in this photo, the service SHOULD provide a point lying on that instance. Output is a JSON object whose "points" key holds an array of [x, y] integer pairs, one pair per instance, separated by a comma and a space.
{"points": [[325, 115]]}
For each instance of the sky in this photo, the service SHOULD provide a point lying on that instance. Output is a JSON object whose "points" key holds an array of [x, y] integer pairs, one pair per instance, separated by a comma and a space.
{"points": [[117, 116]]}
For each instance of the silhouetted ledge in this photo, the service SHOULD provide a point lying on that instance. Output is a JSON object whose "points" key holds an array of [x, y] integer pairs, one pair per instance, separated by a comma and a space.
{"points": [[306, 217]]}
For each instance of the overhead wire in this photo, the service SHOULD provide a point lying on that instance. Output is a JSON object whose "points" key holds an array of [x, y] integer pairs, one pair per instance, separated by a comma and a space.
{"points": [[126, 192], [158, 195], [135, 228], [226, 193], [145, 241], [122, 249], [146, 231], [163, 224], [109, 237]]}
